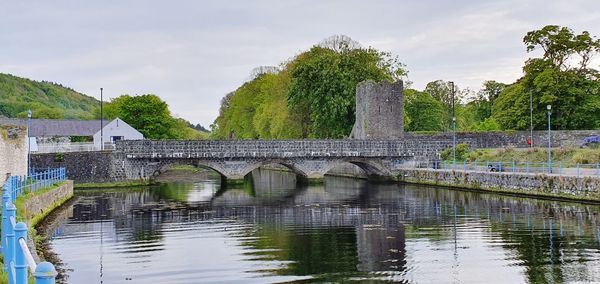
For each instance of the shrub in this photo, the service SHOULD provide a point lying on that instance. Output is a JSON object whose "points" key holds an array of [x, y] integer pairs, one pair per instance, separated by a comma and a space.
{"points": [[462, 151]]}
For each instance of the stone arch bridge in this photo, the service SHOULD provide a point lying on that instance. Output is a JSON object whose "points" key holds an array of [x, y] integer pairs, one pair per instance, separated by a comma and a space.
{"points": [[233, 159]]}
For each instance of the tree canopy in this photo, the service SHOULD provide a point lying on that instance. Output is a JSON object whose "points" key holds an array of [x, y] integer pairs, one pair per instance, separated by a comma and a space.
{"points": [[312, 95], [573, 90], [150, 115]]}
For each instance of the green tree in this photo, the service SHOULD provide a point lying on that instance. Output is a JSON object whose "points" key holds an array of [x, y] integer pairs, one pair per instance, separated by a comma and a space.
{"points": [[323, 86], [573, 91], [425, 112], [147, 113], [442, 91]]}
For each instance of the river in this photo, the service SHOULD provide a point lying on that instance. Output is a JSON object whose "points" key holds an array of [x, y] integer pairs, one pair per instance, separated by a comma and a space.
{"points": [[270, 230]]}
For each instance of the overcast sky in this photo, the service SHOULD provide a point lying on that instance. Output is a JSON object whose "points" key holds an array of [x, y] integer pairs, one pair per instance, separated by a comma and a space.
{"points": [[191, 53]]}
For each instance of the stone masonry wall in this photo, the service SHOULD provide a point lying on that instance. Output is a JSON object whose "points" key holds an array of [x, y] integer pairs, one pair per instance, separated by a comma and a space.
{"points": [[13, 150], [81, 167], [379, 110], [559, 138], [537, 184], [39, 204]]}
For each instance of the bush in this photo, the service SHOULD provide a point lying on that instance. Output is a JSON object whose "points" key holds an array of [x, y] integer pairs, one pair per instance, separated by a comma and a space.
{"points": [[462, 151]]}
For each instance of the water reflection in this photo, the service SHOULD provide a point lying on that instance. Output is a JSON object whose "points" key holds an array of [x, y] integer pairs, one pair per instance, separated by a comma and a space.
{"points": [[347, 229]]}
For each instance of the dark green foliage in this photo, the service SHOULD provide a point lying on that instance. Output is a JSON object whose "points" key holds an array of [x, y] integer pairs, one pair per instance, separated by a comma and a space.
{"points": [[425, 112], [312, 96], [150, 115], [45, 99], [573, 91], [462, 151], [323, 86]]}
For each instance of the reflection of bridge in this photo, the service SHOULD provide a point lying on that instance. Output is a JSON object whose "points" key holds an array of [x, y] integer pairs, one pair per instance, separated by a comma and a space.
{"points": [[235, 159]]}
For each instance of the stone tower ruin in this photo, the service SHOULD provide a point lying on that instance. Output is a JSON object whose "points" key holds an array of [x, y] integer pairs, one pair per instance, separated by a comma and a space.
{"points": [[379, 110]]}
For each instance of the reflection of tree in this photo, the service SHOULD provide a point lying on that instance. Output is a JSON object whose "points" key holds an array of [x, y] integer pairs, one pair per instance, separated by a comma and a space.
{"points": [[311, 252], [176, 191]]}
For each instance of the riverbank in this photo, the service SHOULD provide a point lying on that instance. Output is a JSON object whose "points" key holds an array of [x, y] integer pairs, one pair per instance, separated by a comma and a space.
{"points": [[117, 184], [530, 184]]}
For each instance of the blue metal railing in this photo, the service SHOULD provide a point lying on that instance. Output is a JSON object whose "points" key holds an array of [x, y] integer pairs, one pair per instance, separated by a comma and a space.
{"points": [[37, 180], [17, 257], [515, 167]]}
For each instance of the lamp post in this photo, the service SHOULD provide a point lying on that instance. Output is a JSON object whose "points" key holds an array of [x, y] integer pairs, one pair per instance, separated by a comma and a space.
{"points": [[454, 142], [28, 143], [453, 127], [531, 117], [549, 107], [101, 122]]}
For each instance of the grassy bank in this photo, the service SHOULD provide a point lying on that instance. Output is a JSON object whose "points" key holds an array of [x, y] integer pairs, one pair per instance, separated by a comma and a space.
{"points": [[126, 183], [568, 157]]}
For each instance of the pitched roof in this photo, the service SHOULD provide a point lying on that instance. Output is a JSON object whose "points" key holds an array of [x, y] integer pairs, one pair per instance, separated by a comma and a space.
{"points": [[59, 127]]}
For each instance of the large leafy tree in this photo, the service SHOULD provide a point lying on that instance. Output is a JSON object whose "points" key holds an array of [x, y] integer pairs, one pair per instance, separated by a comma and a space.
{"points": [[148, 114], [323, 85], [445, 92], [425, 112], [311, 95], [573, 90], [258, 109]]}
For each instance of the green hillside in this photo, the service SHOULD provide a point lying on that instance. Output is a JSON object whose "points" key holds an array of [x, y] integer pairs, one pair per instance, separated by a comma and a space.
{"points": [[45, 99]]}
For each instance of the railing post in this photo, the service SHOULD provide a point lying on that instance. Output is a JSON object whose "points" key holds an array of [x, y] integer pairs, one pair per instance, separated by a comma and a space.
{"points": [[9, 253], [513, 166], [5, 223], [45, 273], [20, 260], [560, 168], [577, 170]]}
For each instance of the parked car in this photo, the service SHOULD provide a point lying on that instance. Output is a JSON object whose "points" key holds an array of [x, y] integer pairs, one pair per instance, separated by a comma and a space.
{"points": [[495, 167]]}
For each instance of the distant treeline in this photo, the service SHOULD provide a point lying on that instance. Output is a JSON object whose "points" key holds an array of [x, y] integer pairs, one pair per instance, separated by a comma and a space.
{"points": [[313, 94], [148, 113]]}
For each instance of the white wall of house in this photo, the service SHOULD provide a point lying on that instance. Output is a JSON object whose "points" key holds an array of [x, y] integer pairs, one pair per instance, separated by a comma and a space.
{"points": [[117, 130]]}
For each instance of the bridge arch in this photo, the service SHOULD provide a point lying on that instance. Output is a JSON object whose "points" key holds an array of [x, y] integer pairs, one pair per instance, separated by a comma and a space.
{"points": [[373, 168], [165, 165], [288, 164]]}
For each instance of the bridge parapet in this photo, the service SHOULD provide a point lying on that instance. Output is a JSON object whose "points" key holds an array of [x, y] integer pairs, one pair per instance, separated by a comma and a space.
{"points": [[266, 148]]}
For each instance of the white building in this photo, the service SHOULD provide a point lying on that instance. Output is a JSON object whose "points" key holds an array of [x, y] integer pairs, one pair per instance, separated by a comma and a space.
{"points": [[114, 131], [56, 135]]}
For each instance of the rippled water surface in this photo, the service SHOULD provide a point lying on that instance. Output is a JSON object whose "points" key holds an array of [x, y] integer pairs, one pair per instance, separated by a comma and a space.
{"points": [[270, 230]]}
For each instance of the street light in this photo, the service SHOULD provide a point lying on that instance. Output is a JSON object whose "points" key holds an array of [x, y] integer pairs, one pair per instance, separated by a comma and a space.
{"points": [[28, 143], [549, 107], [454, 142], [101, 122], [453, 127], [531, 117]]}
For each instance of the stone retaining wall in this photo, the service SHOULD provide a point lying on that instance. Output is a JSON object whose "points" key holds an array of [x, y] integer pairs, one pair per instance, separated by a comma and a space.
{"points": [[41, 203], [533, 184], [80, 166]]}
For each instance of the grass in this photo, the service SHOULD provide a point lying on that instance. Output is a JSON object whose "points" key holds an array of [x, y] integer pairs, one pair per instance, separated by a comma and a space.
{"points": [[569, 157], [186, 168], [127, 183]]}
